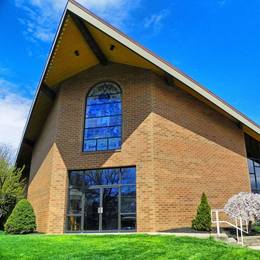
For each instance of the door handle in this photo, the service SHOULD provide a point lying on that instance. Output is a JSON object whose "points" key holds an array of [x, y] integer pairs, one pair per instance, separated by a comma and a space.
{"points": [[100, 210]]}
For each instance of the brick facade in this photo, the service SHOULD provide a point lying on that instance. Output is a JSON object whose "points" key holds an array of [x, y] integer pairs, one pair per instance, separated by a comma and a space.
{"points": [[196, 149], [179, 145]]}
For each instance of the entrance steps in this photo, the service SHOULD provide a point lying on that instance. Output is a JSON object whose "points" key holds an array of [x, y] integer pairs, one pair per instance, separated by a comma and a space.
{"points": [[252, 242]]}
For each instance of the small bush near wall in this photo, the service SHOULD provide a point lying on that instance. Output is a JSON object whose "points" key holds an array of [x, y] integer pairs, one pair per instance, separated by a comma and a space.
{"points": [[22, 219], [202, 221]]}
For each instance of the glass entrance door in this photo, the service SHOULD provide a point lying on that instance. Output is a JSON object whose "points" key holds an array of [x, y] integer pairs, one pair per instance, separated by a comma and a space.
{"points": [[92, 219], [101, 209], [110, 209]]}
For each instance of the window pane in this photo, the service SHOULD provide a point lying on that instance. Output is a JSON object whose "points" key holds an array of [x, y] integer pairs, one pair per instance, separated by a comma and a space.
{"points": [[128, 205], [94, 133], [75, 201], [73, 223], [114, 143], [91, 178], [90, 145], [103, 132], [128, 199], [96, 122], [253, 182], [76, 178], [110, 176], [250, 166], [101, 144], [258, 181], [128, 222], [128, 191], [106, 98], [103, 121], [257, 163], [104, 110], [128, 175], [105, 88], [115, 131], [115, 120]]}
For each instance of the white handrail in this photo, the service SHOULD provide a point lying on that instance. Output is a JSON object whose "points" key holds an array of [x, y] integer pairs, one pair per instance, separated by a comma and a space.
{"points": [[238, 228]]}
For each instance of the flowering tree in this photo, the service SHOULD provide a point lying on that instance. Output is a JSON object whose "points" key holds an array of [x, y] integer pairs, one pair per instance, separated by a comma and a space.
{"points": [[244, 205]]}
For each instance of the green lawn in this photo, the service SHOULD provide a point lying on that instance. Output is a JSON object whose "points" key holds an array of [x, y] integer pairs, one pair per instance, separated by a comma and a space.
{"points": [[118, 247], [256, 228]]}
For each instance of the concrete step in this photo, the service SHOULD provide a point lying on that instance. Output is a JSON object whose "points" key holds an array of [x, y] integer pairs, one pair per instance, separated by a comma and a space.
{"points": [[232, 240], [222, 237], [252, 240], [254, 247]]}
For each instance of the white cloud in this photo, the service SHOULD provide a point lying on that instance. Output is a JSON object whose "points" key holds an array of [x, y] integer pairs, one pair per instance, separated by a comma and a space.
{"points": [[13, 114], [42, 16], [155, 20]]}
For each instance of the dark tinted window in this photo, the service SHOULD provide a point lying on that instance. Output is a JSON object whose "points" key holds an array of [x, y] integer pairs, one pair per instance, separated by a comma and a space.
{"points": [[114, 187], [254, 171], [128, 175]]}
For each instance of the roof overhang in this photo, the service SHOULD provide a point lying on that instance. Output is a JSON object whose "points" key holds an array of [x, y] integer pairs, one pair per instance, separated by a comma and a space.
{"points": [[81, 32]]}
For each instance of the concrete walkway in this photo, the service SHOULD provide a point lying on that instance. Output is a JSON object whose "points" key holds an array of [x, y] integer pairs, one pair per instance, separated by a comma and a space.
{"points": [[254, 247], [196, 235]]}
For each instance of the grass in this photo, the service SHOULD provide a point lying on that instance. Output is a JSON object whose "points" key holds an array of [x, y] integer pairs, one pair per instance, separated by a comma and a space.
{"points": [[118, 247], [256, 228]]}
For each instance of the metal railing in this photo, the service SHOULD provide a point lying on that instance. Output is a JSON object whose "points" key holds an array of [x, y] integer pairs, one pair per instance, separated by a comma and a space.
{"points": [[238, 225]]}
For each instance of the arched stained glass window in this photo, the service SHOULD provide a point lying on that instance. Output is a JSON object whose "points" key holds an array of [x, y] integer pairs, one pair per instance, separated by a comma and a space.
{"points": [[103, 119]]}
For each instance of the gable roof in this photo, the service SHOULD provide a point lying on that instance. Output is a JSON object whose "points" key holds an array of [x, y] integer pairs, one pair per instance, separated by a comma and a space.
{"points": [[94, 41]]}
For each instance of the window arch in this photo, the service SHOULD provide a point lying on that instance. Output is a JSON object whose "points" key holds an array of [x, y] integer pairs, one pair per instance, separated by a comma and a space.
{"points": [[103, 118]]}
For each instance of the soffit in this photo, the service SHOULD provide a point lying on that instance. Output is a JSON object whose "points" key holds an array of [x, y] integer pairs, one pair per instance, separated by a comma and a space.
{"points": [[65, 63]]}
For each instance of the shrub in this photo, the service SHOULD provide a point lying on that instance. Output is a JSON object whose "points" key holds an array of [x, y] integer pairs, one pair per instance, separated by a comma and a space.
{"points": [[22, 219], [202, 221], [11, 184]]}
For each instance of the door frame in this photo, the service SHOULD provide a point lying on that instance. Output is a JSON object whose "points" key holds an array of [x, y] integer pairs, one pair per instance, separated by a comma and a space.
{"points": [[84, 189]]}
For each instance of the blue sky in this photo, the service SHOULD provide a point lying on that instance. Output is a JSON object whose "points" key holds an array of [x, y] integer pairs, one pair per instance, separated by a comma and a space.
{"points": [[216, 42]]}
